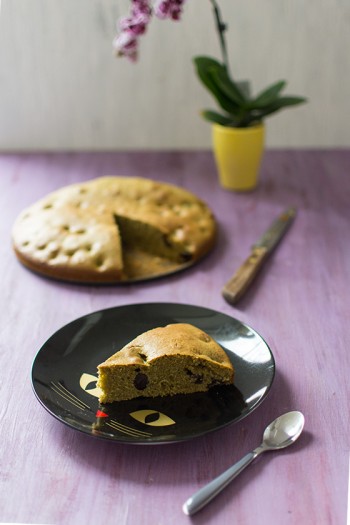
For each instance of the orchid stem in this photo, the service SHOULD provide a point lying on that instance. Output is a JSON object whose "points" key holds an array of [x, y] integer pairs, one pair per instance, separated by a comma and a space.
{"points": [[221, 28]]}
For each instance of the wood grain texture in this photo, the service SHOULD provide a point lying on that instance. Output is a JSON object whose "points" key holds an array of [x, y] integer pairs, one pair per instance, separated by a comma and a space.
{"points": [[237, 286], [62, 88], [299, 303]]}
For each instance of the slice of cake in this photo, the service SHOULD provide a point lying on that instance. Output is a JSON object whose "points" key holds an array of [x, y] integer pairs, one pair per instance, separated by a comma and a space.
{"points": [[175, 359]]}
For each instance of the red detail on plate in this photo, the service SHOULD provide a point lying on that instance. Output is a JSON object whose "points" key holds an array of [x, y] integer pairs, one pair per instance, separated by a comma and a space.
{"points": [[99, 413]]}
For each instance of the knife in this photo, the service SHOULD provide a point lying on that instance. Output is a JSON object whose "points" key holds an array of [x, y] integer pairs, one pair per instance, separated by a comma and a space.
{"points": [[235, 288]]}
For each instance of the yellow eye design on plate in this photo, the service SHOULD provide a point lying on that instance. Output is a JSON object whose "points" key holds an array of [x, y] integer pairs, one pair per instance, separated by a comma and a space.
{"points": [[152, 418], [86, 381]]}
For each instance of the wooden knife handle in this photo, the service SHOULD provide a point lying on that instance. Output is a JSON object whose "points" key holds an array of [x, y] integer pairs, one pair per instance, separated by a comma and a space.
{"points": [[236, 287]]}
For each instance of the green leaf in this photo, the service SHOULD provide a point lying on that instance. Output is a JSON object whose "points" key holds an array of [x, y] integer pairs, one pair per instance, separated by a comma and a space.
{"points": [[231, 97], [218, 118], [227, 86], [290, 101], [268, 96], [207, 62], [206, 68], [280, 103]]}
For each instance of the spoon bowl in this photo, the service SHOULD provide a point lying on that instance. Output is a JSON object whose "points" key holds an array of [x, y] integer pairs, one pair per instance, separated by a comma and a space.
{"points": [[284, 431], [281, 433]]}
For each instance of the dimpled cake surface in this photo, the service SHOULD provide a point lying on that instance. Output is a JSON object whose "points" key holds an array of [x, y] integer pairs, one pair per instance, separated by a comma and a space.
{"points": [[176, 359], [111, 229]]}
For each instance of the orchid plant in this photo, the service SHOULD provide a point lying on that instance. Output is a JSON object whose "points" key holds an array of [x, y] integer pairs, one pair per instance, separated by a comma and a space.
{"points": [[238, 107]]}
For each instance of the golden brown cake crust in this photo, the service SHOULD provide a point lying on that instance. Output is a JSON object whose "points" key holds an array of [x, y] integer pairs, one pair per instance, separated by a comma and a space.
{"points": [[173, 339], [177, 358], [72, 233]]}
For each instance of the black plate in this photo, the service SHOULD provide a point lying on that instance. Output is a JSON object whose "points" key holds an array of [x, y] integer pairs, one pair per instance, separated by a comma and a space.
{"points": [[64, 375]]}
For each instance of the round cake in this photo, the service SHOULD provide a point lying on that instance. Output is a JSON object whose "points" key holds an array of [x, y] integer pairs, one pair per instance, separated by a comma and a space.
{"points": [[113, 229]]}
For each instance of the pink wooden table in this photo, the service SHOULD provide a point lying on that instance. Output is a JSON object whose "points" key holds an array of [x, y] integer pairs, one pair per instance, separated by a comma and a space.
{"points": [[51, 474]]}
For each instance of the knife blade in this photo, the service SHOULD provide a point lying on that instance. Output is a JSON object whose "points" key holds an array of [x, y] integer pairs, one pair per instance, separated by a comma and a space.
{"points": [[236, 287]]}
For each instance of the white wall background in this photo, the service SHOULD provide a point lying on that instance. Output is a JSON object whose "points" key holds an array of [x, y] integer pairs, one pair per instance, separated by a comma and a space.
{"points": [[61, 88]]}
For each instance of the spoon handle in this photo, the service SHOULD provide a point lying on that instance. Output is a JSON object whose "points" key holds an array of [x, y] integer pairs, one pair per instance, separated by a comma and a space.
{"points": [[212, 489]]}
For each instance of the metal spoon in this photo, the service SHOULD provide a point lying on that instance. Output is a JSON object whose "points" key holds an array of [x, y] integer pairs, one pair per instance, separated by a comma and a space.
{"points": [[279, 434]]}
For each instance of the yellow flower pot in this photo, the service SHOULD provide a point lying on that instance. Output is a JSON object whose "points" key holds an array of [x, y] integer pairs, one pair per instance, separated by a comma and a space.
{"points": [[238, 153]]}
